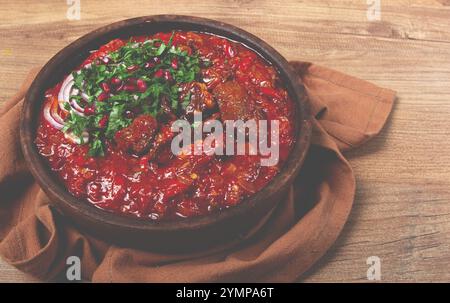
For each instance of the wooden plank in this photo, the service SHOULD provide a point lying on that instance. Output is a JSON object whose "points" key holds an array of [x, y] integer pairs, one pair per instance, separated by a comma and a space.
{"points": [[402, 209]]}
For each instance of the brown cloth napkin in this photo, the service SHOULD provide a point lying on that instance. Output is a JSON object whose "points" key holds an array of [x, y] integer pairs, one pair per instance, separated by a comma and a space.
{"points": [[348, 111]]}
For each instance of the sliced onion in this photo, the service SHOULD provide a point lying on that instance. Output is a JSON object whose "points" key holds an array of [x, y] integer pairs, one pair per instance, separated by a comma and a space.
{"points": [[85, 97], [79, 110], [65, 94], [54, 112], [48, 116]]}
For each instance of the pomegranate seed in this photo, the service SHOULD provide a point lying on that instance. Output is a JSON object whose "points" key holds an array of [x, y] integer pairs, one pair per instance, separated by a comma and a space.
{"points": [[141, 85], [159, 73], [89, 110], [129, 88], [132, 68], [174, 63], [168, 75], [103, 96], [129, 114], [149, 65], [105, 87], [103, 121], [116, 81], [132, 81], [119, 88]]}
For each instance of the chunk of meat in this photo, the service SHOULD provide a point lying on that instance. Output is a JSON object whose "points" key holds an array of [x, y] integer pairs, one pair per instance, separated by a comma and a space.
{"points": [[167, 112], [163, 137], [261, 75], [234, 103], [215, 75], [200, 98], [137, 137]]}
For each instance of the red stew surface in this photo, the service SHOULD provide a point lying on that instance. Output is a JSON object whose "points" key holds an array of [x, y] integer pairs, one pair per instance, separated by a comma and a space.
{"points": [[111, 145]]}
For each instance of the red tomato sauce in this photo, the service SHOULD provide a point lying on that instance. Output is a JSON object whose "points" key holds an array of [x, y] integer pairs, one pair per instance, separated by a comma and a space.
{"points": [[159, 185]]}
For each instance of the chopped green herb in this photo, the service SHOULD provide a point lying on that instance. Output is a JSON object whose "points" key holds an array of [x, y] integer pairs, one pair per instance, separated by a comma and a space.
{"points": [[134, 60], [116, 120], [96, 147]]}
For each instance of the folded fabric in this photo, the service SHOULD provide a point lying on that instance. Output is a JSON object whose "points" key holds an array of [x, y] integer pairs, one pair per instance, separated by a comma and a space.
{"points": [[36, 239]]}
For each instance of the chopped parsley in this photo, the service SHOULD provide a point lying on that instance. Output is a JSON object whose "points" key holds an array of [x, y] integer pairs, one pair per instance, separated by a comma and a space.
{"points": [[134, 78]]}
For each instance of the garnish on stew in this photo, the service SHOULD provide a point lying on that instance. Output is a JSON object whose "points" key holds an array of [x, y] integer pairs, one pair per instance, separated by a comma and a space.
{"points": [[137, 77], [106, 128]]}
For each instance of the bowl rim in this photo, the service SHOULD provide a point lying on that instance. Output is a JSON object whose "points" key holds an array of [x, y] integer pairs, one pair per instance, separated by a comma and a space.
{"points": [[51, 186]]}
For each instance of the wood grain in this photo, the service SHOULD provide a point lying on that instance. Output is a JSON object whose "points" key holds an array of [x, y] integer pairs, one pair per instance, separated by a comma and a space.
{"points": [[402, 206]]}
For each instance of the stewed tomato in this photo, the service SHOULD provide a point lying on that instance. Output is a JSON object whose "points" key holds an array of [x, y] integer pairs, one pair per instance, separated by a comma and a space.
{"points": [[105, 129]]}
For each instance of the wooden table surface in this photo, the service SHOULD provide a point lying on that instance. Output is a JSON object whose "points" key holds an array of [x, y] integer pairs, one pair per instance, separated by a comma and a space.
{"points": [[402, 208]]}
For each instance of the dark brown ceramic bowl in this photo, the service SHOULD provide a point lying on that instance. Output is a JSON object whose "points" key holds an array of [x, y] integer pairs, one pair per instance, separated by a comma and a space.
{"points": [[188, 234]]}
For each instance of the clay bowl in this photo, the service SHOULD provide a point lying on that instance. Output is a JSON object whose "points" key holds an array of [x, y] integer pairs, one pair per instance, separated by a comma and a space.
{"points": [[183, 235]]}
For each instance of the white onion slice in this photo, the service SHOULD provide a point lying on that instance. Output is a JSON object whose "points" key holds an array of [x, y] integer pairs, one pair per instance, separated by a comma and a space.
{"points": [[79, 110], [84, 96], [54, 112], [57, 117], [64, 92], [49, 117], [64, 96], [53, 117]]}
